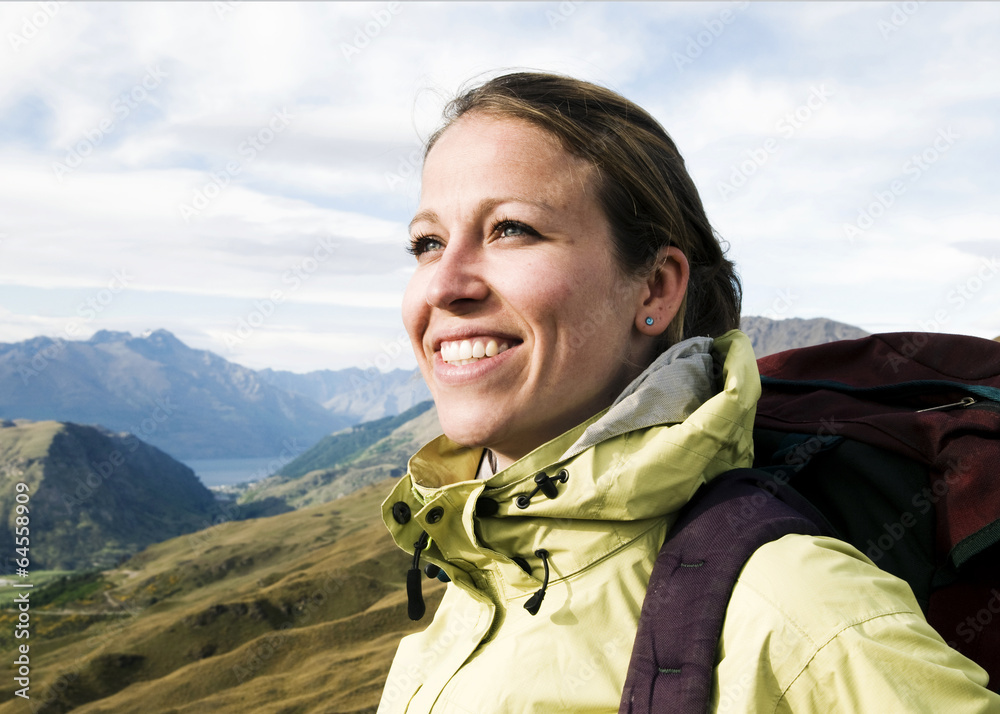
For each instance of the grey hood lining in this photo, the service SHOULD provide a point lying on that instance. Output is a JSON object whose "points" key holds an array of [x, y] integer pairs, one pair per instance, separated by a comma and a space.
{"points": [[679, 381]]}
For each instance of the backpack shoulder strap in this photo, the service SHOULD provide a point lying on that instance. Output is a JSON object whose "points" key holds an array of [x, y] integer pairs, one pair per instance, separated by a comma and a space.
{"points": [[680, 624]]}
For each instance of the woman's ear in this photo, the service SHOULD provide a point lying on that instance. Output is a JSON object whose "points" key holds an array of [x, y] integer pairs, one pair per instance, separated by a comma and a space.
{"points": [[664, 292]]}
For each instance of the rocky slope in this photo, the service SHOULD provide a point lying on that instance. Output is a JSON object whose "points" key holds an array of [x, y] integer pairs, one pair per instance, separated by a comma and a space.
{"points": [[769, 336]]}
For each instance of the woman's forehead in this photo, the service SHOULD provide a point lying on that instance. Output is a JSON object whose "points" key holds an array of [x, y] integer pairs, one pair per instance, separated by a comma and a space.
{"points": [[506, 151]]}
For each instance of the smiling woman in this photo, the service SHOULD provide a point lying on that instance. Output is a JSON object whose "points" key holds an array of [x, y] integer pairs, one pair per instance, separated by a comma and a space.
{"points": [[514, 251], [575, 318]]}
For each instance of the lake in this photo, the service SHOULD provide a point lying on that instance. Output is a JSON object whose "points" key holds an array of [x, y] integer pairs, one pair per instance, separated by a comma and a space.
{"points": [[225, 472]]}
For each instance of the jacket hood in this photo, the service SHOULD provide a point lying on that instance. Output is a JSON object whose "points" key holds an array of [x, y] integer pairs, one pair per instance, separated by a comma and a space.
{"points": [[687, 418]]}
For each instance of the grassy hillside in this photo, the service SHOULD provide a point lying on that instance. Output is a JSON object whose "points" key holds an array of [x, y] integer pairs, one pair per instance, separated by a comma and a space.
{"points": [[94, 496], [300, 613], [340, 447], [370, 462]]}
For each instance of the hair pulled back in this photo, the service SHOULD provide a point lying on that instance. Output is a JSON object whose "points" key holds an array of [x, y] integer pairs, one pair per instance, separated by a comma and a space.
{"points": [[647, 195]]}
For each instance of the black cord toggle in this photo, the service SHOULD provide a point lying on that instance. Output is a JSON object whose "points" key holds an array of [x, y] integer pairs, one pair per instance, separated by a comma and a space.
{"points": [[535, 601], [545, 484], [415, 607]]}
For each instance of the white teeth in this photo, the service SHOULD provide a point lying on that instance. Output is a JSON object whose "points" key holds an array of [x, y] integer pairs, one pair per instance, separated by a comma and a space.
{"points": [[468, 351]]}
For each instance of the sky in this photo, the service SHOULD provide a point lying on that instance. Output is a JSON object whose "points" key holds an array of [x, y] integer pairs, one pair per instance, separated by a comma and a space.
{"points": [[242, 173]]}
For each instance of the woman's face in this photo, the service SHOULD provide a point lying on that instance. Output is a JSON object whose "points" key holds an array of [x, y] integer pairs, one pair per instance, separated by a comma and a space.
{"points": [[515, 267]]}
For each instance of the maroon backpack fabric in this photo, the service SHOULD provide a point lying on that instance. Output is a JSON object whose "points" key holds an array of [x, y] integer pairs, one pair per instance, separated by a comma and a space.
{"points": [[934, 399], [880, 441], [960, 444]]}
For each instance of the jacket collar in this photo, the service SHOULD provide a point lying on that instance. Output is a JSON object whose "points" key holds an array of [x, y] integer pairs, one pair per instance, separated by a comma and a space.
{"points": [[684, 420]]}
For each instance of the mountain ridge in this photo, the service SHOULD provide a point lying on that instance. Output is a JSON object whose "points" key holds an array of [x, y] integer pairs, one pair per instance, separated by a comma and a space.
{"points": [[213, 408], [95, 496]]}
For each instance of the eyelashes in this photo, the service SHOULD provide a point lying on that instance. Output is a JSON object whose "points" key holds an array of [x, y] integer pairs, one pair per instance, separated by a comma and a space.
{"points": [[421, 244], [504, 224], [501, 228]]}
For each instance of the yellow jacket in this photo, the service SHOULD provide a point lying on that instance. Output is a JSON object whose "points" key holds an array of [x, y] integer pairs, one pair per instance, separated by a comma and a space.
{"points": [[812, 626]]}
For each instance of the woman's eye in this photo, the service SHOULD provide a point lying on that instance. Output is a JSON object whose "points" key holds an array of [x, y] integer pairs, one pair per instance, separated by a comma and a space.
{"points": [[423, 244], [510, 229]]}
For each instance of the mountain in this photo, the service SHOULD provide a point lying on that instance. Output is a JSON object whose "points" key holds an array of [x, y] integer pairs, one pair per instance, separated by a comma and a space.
{"points": [[769, 336], [93, 496], [344, 462], [190, 403], [300, 612], [361, 395]]}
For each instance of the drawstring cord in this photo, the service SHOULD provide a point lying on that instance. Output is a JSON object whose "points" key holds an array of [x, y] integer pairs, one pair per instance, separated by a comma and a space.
{"points": [[415, 607], [546, 484], [535, 601]]}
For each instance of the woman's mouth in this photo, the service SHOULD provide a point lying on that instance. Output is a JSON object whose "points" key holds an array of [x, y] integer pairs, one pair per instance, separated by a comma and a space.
{"points": [[460, 352]]}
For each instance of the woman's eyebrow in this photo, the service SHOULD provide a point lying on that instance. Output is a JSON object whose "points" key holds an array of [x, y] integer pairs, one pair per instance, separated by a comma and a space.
{"points": [[485, 206], [425, 215]]}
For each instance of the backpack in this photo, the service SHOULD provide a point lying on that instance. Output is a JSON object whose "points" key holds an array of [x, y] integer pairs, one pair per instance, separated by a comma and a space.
{"points": [[890, 442]]}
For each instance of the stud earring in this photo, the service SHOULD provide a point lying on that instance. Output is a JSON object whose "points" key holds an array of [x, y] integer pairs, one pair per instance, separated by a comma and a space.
{"points": [[649, 321]]}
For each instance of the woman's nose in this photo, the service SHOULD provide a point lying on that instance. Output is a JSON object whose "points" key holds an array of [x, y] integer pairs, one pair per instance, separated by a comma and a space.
{"points": [[458, 283]]}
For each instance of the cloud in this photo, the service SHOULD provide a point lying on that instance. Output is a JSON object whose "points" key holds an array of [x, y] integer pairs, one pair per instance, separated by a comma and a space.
{"points": [[161, 105]]}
